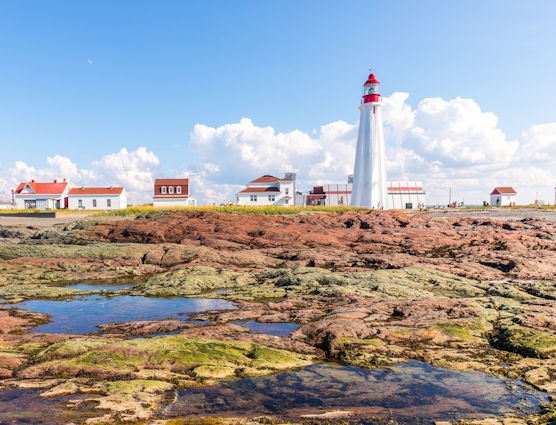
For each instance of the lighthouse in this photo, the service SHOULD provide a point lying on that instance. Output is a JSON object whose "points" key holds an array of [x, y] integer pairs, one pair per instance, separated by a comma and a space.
{"points": [[369, 178]]}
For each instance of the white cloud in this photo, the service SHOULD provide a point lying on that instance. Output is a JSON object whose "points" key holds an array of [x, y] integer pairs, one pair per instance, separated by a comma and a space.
{"points": [[446, 144], [133, 170]]}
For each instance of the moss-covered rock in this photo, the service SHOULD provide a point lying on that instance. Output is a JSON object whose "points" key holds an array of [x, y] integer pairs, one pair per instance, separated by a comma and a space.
{"points": [[525, 341], [172, 354], [71, 348], [411, 283], [193, 281]]}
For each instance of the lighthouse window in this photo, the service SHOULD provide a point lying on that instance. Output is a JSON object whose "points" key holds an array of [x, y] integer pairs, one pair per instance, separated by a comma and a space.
{"points": [[178, 190], [171, 190], [163, 190]]}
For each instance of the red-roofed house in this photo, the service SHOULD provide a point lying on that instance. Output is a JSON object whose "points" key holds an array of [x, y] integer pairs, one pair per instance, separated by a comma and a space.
{"points": [[268, 190], [172, 193], [502, 196], [42, 196], [97, 198]]}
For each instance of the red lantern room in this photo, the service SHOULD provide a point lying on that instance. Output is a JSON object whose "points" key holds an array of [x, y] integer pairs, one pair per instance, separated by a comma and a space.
{"points": [[371, 90]]}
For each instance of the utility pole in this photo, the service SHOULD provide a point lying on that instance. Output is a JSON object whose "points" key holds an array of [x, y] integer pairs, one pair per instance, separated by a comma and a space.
{"points": [[450, 197]]}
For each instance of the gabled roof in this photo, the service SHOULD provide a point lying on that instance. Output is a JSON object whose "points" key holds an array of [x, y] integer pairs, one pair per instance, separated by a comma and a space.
{"points": [[266, 179], [171, 182], [504, 191], [43, 188], [95, 191], [260, 190]]}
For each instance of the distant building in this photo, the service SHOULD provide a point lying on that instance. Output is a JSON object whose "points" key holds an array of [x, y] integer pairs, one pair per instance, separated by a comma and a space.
{"points": [[172, 193], [268, 190], [401, 195], [406, 195], [501, 196], [332, 195], [97, 198], [42, 196]]}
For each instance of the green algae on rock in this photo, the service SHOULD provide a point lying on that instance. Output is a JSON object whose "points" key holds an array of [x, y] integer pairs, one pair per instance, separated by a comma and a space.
{"points": [[412, 283], [169, 356], [525, 341], [192, 281]]}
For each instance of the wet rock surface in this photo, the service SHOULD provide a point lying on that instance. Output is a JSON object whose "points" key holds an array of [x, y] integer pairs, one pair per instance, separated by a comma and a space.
{"points": [[367, 289]]}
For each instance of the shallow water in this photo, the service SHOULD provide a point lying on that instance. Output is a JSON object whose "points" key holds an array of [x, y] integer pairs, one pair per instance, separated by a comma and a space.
{"points": [[275, 329], [412, 393], [26, 407], [101, 286], [83, 315]]}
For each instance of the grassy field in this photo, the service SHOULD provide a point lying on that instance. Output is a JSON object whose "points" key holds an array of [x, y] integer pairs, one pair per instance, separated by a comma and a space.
{"points": [[265, 210]]}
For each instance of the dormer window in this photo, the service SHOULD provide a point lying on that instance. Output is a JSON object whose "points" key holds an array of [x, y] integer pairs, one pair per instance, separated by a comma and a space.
{"points": [[163, 190], [171, 190], [178, 190]]}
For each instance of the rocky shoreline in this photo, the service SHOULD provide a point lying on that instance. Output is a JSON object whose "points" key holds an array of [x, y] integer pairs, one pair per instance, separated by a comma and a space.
{"points": [[367, 289]]}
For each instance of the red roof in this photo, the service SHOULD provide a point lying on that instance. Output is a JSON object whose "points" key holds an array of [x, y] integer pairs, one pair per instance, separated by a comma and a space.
{"points": [[43, 188], [183, 183], [371, 79], [95, 191], [405, 189], [170, 182], [504, 191], [260, 190], [315, 197], [266, 179]]}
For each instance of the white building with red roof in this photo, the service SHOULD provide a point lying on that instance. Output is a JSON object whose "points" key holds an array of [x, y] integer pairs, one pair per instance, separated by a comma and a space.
{"points": [[401, 195], [42, 195], [268, 190], [97, 198], [172, 193], [501, 196]]}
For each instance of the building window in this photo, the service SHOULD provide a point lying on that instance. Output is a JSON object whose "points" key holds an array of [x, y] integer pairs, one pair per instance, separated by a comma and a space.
{"points": [[287, 201], [109, 203], [80, 203], [178, 190], [163, 190], [287, 191], [253, 198], [272, 198], [94, 203], [171, 190]]}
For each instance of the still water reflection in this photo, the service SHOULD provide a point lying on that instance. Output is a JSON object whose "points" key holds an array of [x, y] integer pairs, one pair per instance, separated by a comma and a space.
{"points": [[83, 315], [412, 392]]}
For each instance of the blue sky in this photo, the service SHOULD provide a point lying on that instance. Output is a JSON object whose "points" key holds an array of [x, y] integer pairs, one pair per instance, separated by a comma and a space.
{"points": [[159, 68]]}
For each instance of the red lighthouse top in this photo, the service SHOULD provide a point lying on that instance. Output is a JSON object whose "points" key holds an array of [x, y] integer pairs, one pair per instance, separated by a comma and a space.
{"points": [[371, 90]]}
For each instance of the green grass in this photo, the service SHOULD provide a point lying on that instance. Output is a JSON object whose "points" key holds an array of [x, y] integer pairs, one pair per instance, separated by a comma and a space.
{"points": [[264, 210]]}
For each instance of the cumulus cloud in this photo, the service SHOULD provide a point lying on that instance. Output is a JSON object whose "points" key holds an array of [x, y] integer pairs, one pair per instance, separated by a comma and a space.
{"points": [[446, 144], [134, 170], [233, 154]]}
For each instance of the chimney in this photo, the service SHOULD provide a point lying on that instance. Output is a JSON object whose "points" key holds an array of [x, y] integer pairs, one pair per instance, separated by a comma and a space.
{"points": [[65, 181], [32, 181], [55, 181], [111, 188], [82, 188]]}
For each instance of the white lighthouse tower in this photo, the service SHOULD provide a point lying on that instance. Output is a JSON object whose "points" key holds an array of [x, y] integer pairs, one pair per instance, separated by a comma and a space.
{"points": [[369, 178]]}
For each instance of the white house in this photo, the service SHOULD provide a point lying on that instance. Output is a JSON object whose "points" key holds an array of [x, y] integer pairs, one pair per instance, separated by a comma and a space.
{"points": [[97, 198], [268, 190], [172, 193], [42, 196], [501, 196]]}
